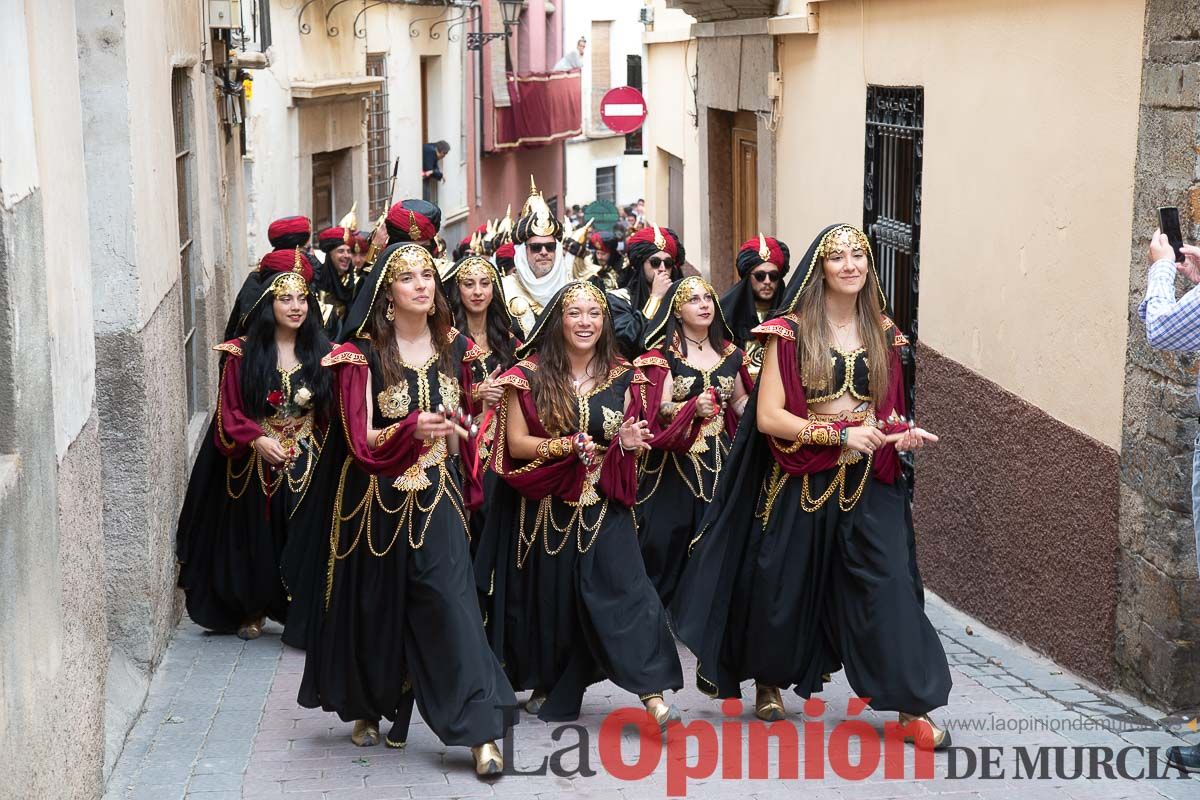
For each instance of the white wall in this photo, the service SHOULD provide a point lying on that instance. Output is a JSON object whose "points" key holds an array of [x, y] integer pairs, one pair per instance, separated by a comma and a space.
{"points": [[57, 126]]}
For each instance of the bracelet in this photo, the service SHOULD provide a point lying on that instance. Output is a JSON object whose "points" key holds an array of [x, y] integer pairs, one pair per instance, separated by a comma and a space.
{"points": [[669, 409], [554, 448], [821, 434], [385, 434]]}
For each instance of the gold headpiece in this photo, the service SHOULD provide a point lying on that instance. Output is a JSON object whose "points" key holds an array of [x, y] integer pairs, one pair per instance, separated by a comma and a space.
{"points": [[476, 267], [289, 283], [660, 241], [298, 265], [349, 223], [843, 237], [764, 252], [584, 290], [543, 222], [581, 237], [407, 258], [414, 230], [505, 225], [688, 285]]}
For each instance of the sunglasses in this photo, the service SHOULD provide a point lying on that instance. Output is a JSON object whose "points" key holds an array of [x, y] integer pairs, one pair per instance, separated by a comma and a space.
{"points": [[542, 247], [763, 277], [656, 262]]}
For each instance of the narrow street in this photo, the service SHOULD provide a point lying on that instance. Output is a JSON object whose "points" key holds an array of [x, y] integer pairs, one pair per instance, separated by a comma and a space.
{"points": [[221, 722]]}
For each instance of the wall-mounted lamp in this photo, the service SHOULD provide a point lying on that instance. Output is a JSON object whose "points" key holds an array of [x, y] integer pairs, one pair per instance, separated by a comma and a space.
{"points": [[511, 11]]}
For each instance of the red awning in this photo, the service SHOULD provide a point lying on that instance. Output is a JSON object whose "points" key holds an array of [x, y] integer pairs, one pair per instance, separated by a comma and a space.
{"points": [[546, 107]]}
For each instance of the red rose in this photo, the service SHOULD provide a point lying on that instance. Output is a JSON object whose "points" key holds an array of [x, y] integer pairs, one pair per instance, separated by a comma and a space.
{"points": [[275, 397]]}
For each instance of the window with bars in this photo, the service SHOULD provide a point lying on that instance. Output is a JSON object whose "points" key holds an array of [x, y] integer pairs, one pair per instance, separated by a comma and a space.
{"points": [[181, 108], [892, 208], [379, 157], [606, 184]]}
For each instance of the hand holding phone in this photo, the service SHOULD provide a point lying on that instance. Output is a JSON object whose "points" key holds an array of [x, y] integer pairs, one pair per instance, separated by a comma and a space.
{"points": [[1168, 223]]}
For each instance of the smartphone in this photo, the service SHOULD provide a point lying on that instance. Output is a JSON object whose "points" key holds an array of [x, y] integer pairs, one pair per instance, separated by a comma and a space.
{"points": [[1168, 223]]}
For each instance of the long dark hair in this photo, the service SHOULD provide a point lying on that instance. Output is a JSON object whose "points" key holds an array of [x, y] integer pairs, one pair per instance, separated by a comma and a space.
{"points": [[384, 340], [499, 332], [553, 393], [261, 359]]}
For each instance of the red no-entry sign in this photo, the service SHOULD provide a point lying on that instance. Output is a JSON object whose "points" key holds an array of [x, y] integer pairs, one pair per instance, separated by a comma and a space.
{"points": [[623, 109]]}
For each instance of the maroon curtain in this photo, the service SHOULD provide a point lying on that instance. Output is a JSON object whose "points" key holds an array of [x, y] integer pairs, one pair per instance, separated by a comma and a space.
{"points": [[546, 107]]}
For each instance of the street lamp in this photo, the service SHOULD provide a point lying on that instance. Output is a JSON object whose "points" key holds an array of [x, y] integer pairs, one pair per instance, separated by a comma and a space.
{"points": [[511, 12]]}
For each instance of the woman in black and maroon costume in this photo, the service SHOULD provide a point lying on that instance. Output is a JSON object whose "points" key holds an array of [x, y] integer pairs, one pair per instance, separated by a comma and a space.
{"points": [[569, 600], [252, 487], [400, 616], [806, 560], [698, 386], [476, 298]]}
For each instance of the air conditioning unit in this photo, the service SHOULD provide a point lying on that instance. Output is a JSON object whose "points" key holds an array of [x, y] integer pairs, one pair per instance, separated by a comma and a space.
{"points": [[225, 14]]}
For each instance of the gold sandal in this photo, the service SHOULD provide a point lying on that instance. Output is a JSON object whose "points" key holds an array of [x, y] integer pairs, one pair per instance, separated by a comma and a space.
{"points": [[768, 703], [488, 761], [366, 733], [250, 630], [927, 733]]}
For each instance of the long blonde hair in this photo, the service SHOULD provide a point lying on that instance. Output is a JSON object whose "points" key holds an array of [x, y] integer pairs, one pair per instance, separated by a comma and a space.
{"points": [[814, 334]]}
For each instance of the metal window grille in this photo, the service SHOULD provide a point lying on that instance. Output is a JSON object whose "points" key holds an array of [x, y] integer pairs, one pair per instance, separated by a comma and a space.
{"points": [[892, 207], [606, 184], [181, 108], [378, 147]]}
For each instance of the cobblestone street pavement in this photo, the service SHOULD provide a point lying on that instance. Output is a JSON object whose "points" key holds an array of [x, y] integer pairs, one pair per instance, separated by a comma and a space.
{"points": [[221, 721]]}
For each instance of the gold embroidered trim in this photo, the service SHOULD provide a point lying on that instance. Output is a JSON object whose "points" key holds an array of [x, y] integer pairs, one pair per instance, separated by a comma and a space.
{"points": [[513, 380], [344, 357], [229, 347], [651, 361], [773, 329]]}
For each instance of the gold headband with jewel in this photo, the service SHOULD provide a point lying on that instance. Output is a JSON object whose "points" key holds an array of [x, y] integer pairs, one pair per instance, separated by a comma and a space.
{"points": [[476, 267], [414, 230], [289, 283], [690, 284], [583, 290], [843, 237], [407, 258]]}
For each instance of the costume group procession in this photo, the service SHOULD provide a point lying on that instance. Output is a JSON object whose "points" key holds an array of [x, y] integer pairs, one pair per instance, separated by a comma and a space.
{"points": [[535, 461]]}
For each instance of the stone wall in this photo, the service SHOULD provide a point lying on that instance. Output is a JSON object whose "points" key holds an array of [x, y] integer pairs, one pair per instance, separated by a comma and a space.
{"points": [[1158, 618]]}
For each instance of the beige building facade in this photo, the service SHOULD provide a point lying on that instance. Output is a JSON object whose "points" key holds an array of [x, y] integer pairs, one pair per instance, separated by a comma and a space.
{"points": [[1000, 155], [120, 220], [349, 91]]}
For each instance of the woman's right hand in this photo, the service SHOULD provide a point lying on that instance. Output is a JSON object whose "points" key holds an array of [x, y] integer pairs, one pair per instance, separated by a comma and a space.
{"points": [[865, 439], [706, 406], [431, 425], [271, 451]]}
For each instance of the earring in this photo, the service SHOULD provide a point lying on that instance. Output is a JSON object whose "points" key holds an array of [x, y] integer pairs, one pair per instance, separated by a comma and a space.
{"points": [[432, 310], [390, 311]]}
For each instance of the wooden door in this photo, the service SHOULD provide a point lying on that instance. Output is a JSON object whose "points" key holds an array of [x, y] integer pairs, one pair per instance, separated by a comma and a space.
{"points": [[745, 179]]}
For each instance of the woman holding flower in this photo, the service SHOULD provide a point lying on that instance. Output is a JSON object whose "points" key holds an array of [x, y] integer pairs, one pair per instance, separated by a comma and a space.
{"points": [[250, 486]]}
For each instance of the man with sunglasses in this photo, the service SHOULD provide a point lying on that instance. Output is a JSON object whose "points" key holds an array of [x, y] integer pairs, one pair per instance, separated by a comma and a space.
{"points": [[762, 264], [655, 258], [541, 263]]}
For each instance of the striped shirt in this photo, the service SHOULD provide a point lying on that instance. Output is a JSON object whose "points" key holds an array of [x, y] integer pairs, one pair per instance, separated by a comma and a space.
{"points": [[1171, 324]]}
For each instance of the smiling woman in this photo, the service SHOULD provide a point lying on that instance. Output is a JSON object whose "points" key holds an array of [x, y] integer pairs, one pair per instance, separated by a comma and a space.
{"points": [[252, 489], [568, 599]]}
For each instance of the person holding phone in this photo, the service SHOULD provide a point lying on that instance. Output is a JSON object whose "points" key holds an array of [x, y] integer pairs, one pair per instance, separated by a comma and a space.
{"points": [[1174, 324]]}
